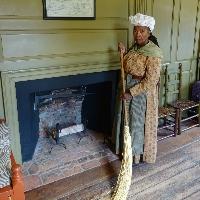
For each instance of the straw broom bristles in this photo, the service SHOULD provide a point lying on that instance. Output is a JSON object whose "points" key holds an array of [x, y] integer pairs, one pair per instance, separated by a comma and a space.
{"points": [[125, 174]]}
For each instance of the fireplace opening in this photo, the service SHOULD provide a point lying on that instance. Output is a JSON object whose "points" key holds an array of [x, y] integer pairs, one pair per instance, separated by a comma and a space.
{"points": [[72, 110], [97, 107]]}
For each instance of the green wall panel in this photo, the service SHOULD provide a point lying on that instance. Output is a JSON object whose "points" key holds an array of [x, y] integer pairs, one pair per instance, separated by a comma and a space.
{"points": [[20, 8], [140, 6], [1, 102], [186, 32], [31, 45], [113, 8], [163, 27], [197, 33]]}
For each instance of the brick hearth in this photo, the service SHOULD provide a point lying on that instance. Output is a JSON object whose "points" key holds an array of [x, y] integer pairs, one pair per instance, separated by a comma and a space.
{"points": [[46, 168]]}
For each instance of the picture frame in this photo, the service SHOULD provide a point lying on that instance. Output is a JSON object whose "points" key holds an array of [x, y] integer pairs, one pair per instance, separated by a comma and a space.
{"points": [[69, 9]]}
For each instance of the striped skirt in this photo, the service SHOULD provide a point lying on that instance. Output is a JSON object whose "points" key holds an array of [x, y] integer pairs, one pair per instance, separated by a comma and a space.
{"points": [[136, 113]]}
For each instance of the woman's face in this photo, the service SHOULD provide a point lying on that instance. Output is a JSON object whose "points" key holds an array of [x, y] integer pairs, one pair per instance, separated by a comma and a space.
{"points": [[141, 35]]}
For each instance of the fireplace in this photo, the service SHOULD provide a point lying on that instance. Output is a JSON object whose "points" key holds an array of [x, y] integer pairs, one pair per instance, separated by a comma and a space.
{"points": [[98, 108]]}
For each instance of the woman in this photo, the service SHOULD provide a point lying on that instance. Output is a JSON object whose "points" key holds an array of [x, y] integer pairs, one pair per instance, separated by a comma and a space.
{"points": [[142, 65]]}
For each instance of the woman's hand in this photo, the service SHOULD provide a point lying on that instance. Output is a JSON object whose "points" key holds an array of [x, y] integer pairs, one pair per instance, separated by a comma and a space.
{"points": [[121, 47], [126, 96]]}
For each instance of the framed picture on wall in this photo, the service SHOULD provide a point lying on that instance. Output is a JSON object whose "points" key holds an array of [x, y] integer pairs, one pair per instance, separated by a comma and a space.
{"points": [[69, 9]]}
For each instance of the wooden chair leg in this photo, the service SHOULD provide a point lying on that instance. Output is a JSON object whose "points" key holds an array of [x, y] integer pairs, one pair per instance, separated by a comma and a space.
{"points": [[199, 114], [165, 121], [17, 180], [176, 127], [179, 121]]}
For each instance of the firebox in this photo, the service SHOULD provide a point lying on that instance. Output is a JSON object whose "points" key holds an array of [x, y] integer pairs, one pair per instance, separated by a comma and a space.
{"points": [[97, 108]]}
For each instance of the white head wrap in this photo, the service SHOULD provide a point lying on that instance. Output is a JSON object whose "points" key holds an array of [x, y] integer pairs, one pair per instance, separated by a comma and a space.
{"points": [[142, 20]]}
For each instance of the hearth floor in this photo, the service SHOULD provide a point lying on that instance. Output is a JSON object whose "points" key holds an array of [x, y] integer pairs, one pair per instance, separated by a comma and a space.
{"points": [[78, 157]]}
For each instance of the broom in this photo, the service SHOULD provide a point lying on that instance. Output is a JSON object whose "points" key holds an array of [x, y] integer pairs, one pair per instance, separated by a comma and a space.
{"points": [[125, 174]]}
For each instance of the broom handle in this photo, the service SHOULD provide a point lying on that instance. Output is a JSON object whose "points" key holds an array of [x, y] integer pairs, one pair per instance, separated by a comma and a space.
{"points": [[123, 88]]}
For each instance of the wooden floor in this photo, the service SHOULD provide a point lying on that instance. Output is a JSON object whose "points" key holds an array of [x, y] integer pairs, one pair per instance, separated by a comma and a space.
{"points": [[174, 159]]}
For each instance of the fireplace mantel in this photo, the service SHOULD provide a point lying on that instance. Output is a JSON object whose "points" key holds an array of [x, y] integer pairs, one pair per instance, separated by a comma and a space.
{"points": [[12, 72]]}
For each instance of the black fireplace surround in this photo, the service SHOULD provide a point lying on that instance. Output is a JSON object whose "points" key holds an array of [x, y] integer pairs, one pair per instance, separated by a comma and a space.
{"points": [[98, 108]]}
